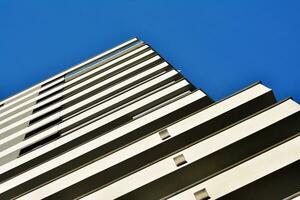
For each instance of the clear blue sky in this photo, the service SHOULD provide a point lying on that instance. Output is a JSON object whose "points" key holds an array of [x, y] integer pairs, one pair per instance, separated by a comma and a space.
{"points": [[221, 46]]}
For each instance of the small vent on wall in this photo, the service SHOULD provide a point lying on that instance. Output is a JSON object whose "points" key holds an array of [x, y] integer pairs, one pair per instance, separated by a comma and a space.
{"points": [[179, 160], [164, 134], [201, 195]]}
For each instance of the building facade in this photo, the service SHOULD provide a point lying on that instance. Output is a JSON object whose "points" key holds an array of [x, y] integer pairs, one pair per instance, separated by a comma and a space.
{"points": [[127, 125]]}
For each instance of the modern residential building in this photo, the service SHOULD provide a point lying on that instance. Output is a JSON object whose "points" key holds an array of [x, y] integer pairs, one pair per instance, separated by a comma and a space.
{"points": [[127, 125]]}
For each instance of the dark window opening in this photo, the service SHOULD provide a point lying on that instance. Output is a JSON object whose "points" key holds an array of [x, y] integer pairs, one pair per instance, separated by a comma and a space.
{"points": [[102, 60], [48, 96], [47, 83], [39, 143], [113, 93], [104, 77], [33, 121], [47, 105], [53, 86], [42, 128]]}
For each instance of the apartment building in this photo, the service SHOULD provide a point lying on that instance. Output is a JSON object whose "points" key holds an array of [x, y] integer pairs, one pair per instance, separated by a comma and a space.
{"points": [[126, 124]]}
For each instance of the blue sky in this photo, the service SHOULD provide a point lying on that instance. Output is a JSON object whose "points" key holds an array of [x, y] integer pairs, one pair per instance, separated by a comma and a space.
{"points": [[220, 46]]}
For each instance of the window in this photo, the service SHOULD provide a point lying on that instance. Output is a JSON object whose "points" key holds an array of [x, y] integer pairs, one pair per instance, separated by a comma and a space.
{"points": [[101, 60], [47, 105], [47, 83], [48, 96], [33, 121], [53, 86], [39, 143], [42, 128]]}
